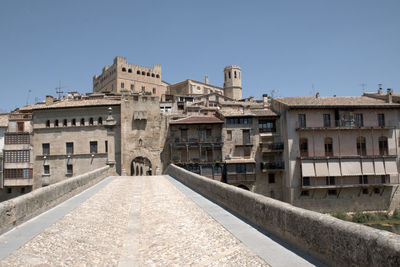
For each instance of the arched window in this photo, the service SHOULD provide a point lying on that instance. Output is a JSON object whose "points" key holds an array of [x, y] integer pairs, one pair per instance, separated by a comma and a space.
{"points": [[138, 72], [91, 121], [73, 122], [123, 69], [152, 75], [143, 73], [235, 75], [100, 121], [48, 123], [361, 146], [56, 123], [303, 147], [229, 75], [383, 146], [130, 70], [157, 76], [328, 147], [65, 123], [154, 91], [225, 76], [148, 74], [82, 122]]}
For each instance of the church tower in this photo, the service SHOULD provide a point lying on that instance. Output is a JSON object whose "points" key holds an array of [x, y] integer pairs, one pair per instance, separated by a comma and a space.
{"points": [[233, 82]]}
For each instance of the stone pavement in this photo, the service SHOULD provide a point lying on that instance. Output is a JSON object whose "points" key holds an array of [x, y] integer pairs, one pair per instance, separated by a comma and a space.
{"points": [[133, 221]]}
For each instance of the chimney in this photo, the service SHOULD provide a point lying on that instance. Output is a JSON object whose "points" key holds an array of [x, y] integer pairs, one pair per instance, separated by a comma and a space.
{"points": [[389, 95], [206, 79], [380, 89], [317, 95], [49, 100]]}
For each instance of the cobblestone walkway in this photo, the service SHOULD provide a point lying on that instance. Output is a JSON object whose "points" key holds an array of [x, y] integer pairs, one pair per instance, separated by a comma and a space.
{"points": [[135, 221]]}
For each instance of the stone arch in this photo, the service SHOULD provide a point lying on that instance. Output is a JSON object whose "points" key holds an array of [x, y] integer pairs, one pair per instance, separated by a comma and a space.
{"points": [[141, 166], [243, 187]]}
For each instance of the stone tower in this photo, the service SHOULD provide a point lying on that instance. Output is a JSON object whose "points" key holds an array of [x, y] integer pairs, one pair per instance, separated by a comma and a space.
{"points": [[233, 82]]}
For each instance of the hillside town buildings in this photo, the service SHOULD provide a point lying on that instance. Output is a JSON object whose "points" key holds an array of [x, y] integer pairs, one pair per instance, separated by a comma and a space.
{"points": [[320, 153]]}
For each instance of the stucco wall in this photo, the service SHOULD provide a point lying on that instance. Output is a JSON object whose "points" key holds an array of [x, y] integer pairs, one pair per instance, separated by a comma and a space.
{"points": [[331, 240], [22, 208]]}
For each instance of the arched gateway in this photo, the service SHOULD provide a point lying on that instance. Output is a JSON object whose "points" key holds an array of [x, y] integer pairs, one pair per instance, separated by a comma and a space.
{"points": [[141, 166]]}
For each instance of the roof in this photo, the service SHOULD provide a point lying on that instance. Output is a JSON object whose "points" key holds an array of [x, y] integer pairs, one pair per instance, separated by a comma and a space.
{"points": [[74, 103], [264, 112], [190, 80], [4, 120], [321, 102], [235, 113], [197, 120]]}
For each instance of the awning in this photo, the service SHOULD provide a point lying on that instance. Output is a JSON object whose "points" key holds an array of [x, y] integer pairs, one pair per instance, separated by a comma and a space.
{"points": [[334, 167], [307, 168], [391, 166], [379, 168], [368, 167], [351, 167], [321, 168]]}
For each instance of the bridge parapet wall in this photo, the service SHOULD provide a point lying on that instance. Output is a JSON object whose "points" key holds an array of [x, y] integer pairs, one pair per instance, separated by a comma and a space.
{"points": [[20, 209], [333, 241]]}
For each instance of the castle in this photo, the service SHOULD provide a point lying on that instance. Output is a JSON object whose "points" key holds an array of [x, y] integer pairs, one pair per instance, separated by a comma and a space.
{"points": [[321, 153]]}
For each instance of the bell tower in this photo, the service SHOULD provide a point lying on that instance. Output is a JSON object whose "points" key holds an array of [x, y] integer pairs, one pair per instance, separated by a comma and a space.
{"points": [[233, 82]]}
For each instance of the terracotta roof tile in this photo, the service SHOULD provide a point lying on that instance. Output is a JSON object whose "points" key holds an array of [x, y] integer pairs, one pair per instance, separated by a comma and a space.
{"points": [[197, 120], [310, 101], [74, 103]]}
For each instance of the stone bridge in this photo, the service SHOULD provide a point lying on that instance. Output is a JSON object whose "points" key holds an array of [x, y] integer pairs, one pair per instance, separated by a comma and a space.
{"points": [[157, 221]]}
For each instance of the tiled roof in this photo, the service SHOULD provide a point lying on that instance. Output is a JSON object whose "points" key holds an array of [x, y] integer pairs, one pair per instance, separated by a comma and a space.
{"points": [[3, 120], [74, 103], [263, 112], [310, 102], [236, 113], [197, 120]]}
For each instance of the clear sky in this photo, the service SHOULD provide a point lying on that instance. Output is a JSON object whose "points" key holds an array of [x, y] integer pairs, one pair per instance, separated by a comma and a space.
{"points": [[287, 45]]}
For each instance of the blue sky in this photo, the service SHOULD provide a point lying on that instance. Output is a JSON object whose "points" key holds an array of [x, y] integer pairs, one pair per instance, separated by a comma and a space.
{"points": [[287, 46]]}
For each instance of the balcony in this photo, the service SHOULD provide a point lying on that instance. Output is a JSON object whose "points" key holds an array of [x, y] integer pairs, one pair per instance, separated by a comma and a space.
{"points": [[197, 142], [272, 166], [271, 147], [345, 182], [346, 125], [18, 181]]}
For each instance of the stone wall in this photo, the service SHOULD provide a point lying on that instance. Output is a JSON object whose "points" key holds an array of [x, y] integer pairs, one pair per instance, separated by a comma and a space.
{"points": [[22, 208], [331, 240]]}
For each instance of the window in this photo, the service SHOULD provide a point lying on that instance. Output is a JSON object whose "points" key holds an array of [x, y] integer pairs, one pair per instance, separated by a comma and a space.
{"points": [[383, 146], [73, 122], [240, 120], [365, 191], [69, 148], [302, 120], [359, 120], [152, 75], [132, 86], [271, 178], [122, 85], [240, 168], [229, 135], [46, 149], [93, 147], [48, 123], [208, 133], [247, 152], [235, 75], [138, 72], [106, 146], [328, 147], [100, 121], [82, 122], [70, 169], [143, 73], [361, 146], [18, 173], [327, 120], [148, 74], [130, 70], [330, 180], [17, 156], [56, 123], [305, 193], [16, 139], [154, 90], [229, 75], [332, 192], [22, 190], [46, 169], [184, 134], [9, 190], [377, 191], [20, 126], [306, 181], [383, 179], [246, 137], [157, 76], [381, 120], [65, 123], [363, 179], [143, 89], [91, 121], [303, 147], [266, 126]]}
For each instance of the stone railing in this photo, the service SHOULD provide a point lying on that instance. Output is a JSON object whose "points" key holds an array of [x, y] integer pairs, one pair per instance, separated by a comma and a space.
{"points": [[328, 239], [20, 209]]}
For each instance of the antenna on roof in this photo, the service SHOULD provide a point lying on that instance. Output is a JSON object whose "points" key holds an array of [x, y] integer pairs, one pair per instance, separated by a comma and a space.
{"points": [[363, 86], [58, 89], [27, 98]]}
